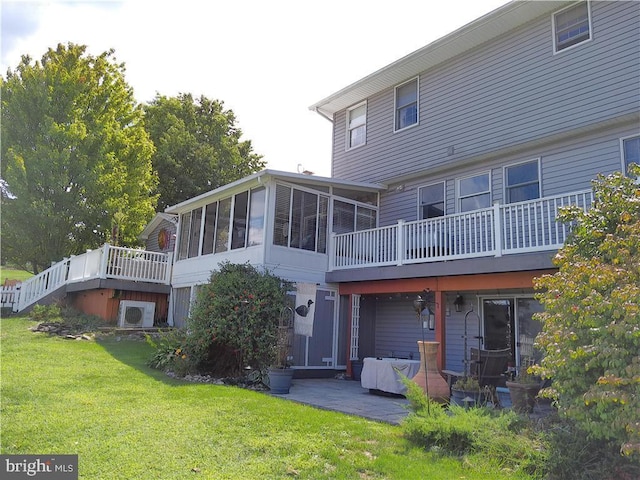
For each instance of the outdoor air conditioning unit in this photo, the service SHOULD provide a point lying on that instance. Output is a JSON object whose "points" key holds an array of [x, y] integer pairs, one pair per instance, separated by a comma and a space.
{"points": [[135, 314]]}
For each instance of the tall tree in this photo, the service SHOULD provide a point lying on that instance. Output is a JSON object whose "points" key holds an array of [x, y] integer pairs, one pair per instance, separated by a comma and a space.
{"points": [[76, 158], [198, 147]]}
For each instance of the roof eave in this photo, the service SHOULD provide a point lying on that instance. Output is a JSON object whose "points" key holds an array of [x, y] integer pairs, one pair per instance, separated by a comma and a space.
{"points": [[266, 174], [477, 32]]}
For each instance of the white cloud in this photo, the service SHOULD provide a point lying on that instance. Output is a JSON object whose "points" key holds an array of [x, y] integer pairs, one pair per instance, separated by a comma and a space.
{"points": [[267, 61]]}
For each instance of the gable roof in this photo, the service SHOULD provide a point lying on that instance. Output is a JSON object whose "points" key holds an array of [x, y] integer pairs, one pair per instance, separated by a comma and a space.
{"points": [[481, 30], [155, 222]]}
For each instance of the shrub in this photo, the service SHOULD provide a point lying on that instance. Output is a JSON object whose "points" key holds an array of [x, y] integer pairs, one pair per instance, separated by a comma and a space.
{"points": [[591, 322], [233, 324], [499, 435], [572, 455], [46, 313]]}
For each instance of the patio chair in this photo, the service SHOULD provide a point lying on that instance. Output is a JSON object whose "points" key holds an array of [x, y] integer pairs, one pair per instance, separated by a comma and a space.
{"points": [[489, 366]]}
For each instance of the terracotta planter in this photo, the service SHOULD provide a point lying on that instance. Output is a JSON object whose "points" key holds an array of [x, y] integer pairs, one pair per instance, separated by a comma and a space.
{"points": [[430, 379], [523, 396]]}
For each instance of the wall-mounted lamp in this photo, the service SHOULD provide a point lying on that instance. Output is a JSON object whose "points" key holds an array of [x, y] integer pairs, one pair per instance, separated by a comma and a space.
{"points": [[458, 303], [420, 305]]}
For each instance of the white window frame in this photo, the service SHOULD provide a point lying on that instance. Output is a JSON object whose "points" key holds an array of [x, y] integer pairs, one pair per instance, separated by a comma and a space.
{"points": [[459, 197], [556, 48], [444, 199], [395, 105], [352, 127], [507, 187], [623, 161]]}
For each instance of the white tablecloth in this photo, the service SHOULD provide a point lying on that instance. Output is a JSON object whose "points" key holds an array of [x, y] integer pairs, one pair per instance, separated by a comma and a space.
{"points": [[384, 374]]}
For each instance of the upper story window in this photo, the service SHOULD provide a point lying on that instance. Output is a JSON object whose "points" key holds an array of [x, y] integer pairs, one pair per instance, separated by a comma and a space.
{"points": [[630, 151], [474, 192], [406, 102], [357, 126], [571, 26], [431, 201], [522, 182]]}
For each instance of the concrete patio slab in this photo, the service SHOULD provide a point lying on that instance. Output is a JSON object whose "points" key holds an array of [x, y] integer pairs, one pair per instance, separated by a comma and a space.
{"points": [[349, 397]]}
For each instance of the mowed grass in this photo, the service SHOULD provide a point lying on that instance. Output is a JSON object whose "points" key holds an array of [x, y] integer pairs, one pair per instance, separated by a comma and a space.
{"points": [[13, 274], [97, 399]]}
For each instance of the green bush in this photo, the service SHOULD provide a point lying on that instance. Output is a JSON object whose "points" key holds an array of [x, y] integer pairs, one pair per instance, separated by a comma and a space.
{"points": [[499, 435], [46, 313], [591, 322], [572, 455], [74, 319], [233, 324]]}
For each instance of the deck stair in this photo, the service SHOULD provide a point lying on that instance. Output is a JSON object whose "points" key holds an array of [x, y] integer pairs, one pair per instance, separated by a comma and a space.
{"points": [[105, 262]]}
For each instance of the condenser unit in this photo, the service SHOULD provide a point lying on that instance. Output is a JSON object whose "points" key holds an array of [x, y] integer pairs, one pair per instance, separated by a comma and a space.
{"points": [[134, 314]]}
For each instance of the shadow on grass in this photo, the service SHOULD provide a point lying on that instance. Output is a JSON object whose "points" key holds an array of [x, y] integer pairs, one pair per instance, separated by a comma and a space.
{"points": [[135, 354]]}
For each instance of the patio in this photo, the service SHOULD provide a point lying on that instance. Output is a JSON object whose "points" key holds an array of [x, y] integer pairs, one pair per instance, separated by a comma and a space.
{"points": [[348, 396]]}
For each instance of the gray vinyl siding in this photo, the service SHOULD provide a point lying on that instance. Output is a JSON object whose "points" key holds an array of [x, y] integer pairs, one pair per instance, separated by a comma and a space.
{"points": [[566, 166], [152, 242], [398, 328], [509, 92], [397, 331]]}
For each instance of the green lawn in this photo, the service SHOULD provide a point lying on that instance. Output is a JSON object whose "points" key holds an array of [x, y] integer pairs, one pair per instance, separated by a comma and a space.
{"points": [[13, 274], [126, 421]]}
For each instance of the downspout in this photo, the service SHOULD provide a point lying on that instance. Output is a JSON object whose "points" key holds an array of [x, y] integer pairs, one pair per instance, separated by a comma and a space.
{"points": [[319, 112]]}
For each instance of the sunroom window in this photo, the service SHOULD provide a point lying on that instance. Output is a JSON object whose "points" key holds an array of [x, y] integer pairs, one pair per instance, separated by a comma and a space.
{"points": [[349, 217], [301, 219]]}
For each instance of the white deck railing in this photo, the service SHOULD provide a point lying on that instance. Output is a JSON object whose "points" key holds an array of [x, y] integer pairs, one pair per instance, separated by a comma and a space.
{"points": [[105, 262], [499, 230]]}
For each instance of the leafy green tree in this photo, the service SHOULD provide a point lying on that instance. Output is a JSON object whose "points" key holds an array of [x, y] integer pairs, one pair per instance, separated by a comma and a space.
{"points": [[198, 147], [74, 154], [234, 321], [591, 322]]}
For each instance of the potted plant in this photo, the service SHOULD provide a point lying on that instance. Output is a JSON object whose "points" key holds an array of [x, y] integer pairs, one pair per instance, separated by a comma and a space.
{"points": [[280, 372], [523, 389], [466, 391]]}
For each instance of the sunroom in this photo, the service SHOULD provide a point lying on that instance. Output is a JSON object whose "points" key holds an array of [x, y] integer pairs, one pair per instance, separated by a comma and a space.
{"points": [[282, 222]]}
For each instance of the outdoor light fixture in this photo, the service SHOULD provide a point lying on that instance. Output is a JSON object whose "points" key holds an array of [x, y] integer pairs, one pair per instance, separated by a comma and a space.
{"points": [[420, 305], [458, 303]]}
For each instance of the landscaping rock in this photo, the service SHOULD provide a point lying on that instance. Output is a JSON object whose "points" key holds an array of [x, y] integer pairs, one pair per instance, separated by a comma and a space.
{"points": [[61, 330]]}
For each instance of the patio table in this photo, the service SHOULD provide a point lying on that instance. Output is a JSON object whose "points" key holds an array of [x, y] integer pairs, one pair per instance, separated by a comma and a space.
{"points": [[383, 374]]}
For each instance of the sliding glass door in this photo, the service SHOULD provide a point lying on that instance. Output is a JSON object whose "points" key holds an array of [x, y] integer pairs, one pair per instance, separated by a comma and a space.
{"points": [[508, 323]]}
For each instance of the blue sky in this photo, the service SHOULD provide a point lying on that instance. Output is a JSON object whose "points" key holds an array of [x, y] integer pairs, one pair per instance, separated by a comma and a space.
{"points": [[268, 61]]}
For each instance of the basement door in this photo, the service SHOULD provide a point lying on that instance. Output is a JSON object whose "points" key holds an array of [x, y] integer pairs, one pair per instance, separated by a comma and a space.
{"points": [[320, 350]]}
